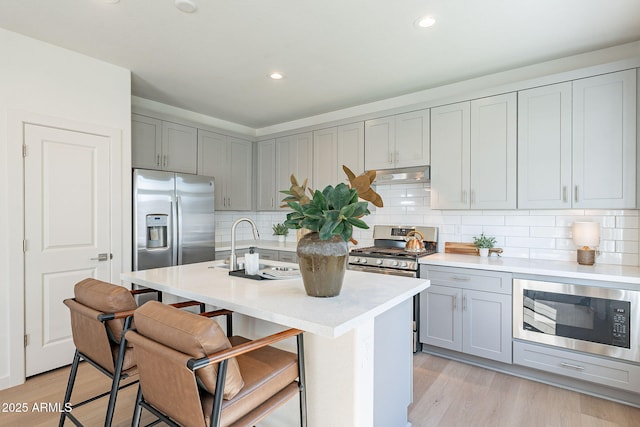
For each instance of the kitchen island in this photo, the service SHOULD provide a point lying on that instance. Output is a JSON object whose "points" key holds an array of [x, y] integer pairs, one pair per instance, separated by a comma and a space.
{"points": [[358, 345]]}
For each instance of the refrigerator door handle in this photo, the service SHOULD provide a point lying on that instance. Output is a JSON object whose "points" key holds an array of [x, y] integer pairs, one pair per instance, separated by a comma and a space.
{"points": [[179, 228]]}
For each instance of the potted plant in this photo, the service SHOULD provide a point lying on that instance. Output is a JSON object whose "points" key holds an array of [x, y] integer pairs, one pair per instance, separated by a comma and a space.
{"points": [[484, 243], [281, 231], [330, 216]]}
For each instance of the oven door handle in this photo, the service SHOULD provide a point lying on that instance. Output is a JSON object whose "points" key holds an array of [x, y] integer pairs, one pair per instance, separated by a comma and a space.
{"points": [[383, 270]]}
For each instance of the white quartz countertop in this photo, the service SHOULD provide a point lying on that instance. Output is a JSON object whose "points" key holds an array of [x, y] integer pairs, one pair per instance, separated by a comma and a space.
{"points": [[603, 272], [363, 297]]}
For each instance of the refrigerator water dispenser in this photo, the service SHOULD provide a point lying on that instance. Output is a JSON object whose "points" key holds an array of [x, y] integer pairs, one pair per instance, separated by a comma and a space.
{"points": [[157, 231]]}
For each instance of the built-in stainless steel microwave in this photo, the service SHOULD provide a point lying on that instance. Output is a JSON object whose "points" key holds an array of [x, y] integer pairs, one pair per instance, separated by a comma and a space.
{"points": [[592, 319]]}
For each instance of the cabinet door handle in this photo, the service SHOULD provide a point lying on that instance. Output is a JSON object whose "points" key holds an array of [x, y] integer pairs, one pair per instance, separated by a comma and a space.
{"points": [[165, 160], [569, 365], [576, 193], [464, 303], [272, 202], [158, 160], [564, 193], [390, 157], [455, 302], [461, 278], [473, 196]]}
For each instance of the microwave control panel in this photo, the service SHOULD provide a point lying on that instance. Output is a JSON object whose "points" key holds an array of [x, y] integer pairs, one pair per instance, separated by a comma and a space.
{"points": [[620, 323]]}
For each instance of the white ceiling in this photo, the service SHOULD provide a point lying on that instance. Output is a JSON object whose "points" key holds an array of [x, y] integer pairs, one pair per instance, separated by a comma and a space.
{"points": [[335, 53]]}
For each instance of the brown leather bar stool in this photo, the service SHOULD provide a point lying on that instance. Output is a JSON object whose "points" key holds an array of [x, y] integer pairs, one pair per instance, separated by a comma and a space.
{"points": [[100, 314], [192, 375]]}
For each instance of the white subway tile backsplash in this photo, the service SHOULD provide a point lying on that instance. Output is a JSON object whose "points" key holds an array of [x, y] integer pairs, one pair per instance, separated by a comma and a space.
{"points": [[543, 221], [551, 232], [483, 220], [622, 246], [530, 242], [626, 222], [538, 234]]}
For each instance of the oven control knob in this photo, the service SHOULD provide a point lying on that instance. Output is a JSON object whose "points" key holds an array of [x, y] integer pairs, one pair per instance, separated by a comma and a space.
{"points": [[403, 264], [394, 263], [379, 262], [363, 260]]}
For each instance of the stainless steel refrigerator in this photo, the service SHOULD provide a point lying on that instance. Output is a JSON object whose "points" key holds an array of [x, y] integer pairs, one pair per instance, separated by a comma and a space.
{"points": [[173, 219]]}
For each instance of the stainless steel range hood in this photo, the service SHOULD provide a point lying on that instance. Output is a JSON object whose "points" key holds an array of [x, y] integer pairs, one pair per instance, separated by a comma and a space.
{"points": [[403, 176]]}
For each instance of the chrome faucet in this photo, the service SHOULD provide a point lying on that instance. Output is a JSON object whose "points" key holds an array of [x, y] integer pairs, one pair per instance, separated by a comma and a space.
{"points": [[233, 259]]}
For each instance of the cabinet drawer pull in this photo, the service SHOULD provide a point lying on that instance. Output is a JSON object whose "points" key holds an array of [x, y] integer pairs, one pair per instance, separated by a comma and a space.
{"points": [[569, 365], [461, 278]]}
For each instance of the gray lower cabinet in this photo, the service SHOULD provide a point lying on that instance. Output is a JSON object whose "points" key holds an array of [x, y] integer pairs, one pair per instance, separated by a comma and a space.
{"points": [[286, 256], [585, 367], [268, 254], [265, 254], [469, 311]]}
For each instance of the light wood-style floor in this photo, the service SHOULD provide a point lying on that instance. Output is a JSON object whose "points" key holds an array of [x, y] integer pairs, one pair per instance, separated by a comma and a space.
{"points": [[446, 393]]}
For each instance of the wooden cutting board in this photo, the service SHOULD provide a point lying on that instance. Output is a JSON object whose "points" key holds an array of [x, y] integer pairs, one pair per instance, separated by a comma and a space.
{"points": [[460, 248], [466, 249]]}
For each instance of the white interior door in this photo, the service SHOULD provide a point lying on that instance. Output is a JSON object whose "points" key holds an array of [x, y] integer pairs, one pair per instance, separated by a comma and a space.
{"points": [[67, 226]]}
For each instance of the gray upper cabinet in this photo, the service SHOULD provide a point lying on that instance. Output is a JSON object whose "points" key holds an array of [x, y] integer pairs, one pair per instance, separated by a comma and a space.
{"points": [[604, 141], [473, 152], [230, 161], [544, 147], [325, 157], [277, 160], [156, 144], [350, 149], [577, 144], [266, 198], [397, 141], [294, 155], [334, 147]]}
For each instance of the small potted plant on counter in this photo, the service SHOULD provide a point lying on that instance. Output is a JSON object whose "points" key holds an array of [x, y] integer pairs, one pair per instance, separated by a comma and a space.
{"points": [[484, 243], [281, 231]]}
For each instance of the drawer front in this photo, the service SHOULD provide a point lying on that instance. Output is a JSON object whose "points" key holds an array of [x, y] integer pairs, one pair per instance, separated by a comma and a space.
{"points": [[481, 280], [584, 367]]}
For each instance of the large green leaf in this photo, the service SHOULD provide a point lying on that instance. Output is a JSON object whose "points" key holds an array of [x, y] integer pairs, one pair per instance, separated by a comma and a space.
{"points": [[339, 197], [357, 223]]}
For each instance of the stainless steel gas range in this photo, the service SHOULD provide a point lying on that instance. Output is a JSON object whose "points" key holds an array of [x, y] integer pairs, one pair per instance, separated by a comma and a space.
{"points": [[390, 255]]}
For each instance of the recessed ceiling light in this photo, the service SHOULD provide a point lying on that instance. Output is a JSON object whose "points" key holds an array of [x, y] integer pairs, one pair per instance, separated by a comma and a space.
{"points": [[186, 6], [425, 21], [276, 76]]}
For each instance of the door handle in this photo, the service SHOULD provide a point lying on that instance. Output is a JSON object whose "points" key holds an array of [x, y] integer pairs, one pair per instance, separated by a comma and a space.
{"points": [[103, 257]]}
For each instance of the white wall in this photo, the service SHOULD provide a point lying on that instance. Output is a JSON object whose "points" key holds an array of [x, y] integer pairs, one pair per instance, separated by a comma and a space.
{"points": [[38, 79]]}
